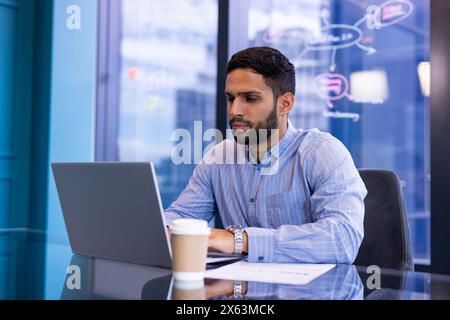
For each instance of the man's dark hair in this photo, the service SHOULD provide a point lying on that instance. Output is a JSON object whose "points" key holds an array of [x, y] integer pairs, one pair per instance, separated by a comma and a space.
{"points": [[277, 70]]}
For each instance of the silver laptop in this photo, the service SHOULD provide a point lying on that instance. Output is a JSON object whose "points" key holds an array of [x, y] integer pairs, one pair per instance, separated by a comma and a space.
{"points": [[114, 211]]}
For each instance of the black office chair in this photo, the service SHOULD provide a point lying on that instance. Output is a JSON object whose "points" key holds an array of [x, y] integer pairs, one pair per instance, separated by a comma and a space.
{"points": [[387, 242]]}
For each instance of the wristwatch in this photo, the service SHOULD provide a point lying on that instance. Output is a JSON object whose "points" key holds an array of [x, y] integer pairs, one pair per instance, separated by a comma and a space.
{"points": [[238, 232], [238, 290]]}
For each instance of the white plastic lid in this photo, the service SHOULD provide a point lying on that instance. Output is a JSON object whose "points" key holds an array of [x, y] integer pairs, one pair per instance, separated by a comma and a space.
{"points": [[189, 285], [189, 227]]}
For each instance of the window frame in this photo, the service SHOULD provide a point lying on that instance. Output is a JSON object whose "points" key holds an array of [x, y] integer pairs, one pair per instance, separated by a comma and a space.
{"points": [[440, 136], [108, 80]]}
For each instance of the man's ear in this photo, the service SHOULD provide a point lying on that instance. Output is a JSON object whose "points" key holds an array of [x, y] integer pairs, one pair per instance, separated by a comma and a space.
{"points": [[286, 102]]}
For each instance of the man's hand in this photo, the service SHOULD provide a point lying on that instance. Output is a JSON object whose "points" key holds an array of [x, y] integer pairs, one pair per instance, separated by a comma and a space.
{"points": [[220, 288], [223, 241]]}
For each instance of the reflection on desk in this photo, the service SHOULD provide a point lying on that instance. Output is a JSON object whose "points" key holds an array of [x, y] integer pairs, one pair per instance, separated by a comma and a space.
{"points": [[340, 283], [34, 265], [105, 279]]}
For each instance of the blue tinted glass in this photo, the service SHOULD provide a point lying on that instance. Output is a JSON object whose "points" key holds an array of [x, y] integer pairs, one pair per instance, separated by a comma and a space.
{"points": [[363, 75], [168, 81]]}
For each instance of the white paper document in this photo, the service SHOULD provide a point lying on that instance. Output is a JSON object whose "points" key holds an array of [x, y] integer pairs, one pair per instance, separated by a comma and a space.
{"points": [[295, 274]]}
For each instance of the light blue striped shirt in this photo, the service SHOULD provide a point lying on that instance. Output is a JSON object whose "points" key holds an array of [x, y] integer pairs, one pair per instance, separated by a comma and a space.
{"points": [[309, 210], [340, 283]]}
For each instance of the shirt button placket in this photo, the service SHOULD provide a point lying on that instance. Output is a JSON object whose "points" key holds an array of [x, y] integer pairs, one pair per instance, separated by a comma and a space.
{"points": [[252, 198]]}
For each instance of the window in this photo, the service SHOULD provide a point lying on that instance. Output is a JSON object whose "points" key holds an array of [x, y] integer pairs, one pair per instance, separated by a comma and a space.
{"points": [[362, 68], [168, 58], [363, 75]]}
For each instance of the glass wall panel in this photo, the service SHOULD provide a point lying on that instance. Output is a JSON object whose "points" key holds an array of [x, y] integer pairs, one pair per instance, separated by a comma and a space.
{"points": [[363, 74], [168, 81]]}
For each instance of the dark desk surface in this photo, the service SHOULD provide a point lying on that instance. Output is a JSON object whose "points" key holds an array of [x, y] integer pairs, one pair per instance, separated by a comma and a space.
{"points": [[34, 265]]}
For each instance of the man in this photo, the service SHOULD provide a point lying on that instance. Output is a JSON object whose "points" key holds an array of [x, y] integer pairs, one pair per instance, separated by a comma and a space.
{"points": [[298, 196]]}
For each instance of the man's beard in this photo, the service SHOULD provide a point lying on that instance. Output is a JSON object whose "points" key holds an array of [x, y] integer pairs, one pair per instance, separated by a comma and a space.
{"points": [[268, 125]]}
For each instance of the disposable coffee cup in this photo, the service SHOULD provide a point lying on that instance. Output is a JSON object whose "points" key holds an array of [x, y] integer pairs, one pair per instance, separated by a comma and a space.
{"points": [[189, 241], [188, 290]]}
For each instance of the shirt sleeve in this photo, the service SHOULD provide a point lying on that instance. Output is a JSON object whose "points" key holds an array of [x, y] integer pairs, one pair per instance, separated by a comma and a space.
{"points": [[197, 200], [337, 204], [340, 283]]}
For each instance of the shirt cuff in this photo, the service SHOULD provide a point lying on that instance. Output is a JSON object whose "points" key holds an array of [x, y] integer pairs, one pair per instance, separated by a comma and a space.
{"points": [[261, 245], [260, 290]]}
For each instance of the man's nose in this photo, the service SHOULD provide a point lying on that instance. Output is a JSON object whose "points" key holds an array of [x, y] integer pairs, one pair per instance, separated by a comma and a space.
{"points": [[235, 108]]}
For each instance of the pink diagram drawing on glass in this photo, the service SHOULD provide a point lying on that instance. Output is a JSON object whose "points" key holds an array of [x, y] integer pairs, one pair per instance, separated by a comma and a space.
{"points": [[332, 87], [389, 13]]}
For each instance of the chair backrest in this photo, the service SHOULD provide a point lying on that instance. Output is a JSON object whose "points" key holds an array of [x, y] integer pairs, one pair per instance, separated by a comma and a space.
{"points": [[387, 241]]}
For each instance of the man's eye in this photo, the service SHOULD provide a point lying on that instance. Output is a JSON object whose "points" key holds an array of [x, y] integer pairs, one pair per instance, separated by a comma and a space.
{"points": [[251, 99], [230, 99]]}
